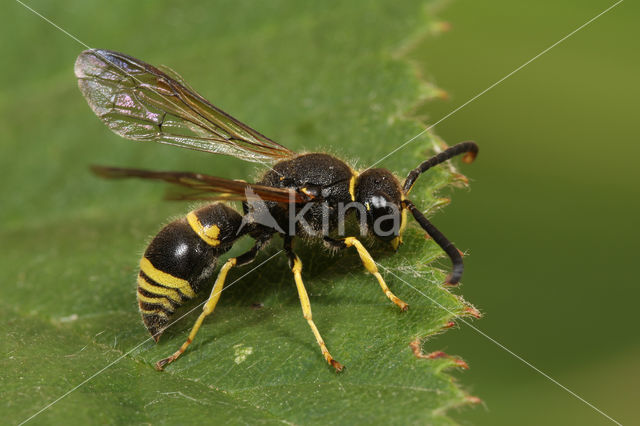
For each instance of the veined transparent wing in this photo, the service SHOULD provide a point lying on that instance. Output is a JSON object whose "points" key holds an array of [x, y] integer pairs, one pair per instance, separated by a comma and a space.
{"points": [[205, 187], [140, 102]]}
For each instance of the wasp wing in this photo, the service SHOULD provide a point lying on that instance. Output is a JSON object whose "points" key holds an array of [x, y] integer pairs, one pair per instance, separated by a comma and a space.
{"points": [[205, 187], [139, 101]]}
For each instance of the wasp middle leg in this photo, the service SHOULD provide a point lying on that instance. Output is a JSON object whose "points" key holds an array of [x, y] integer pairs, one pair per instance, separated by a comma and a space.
{"points": [[296, 267]]}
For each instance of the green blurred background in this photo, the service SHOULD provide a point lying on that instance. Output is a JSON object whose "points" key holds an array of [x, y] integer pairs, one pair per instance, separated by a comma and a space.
{"points": [[550, 222]]}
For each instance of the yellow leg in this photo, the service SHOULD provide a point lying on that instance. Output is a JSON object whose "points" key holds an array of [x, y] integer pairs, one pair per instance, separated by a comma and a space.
{"points": [[306, 311], [369, 263], [208, 308]]}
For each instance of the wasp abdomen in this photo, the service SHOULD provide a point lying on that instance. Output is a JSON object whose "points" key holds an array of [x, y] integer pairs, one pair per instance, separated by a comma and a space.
{"points": [[180, 259]]}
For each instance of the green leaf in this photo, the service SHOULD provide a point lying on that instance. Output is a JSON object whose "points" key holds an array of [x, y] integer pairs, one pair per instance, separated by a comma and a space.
{"points": [[311, 76]]}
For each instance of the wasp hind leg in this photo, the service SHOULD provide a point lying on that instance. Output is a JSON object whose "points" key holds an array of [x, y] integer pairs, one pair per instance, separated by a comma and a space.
{"points": [[211, 303], [296, 267], [369, 264]]}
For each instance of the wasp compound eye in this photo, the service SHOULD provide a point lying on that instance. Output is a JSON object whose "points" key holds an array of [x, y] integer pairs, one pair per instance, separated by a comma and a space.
{"points": [[383, 218], [381, 195]]}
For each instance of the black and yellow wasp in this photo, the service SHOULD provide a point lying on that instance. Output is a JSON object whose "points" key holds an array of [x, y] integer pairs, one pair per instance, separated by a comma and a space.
{"points": [[141, 102]]}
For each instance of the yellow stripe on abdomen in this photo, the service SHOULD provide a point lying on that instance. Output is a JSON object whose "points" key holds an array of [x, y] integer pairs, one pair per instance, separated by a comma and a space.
{"points": [[209, 234], [159, 312], [156, 301], [170, 294], [165, 279]]}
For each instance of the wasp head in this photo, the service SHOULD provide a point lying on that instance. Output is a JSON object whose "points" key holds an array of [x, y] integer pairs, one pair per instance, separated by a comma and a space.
{"points": [[379, 191]]}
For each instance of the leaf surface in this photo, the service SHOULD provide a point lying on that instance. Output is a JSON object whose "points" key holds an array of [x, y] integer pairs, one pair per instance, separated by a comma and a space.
{"points": [[329, 77]]}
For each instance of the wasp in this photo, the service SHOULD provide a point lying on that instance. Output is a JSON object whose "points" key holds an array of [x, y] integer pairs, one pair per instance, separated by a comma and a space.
{"points": [[299, 195]]}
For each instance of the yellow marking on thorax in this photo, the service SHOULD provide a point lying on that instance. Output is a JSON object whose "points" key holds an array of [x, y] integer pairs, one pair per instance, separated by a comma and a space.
{"points": [[165, 279], [155, 301], [352, 185], [308, 193], [209, 234]]}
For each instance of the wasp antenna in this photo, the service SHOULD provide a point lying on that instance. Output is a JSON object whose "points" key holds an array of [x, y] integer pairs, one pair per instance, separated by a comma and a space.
{"points": [[469, 148], [443, 242]]}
